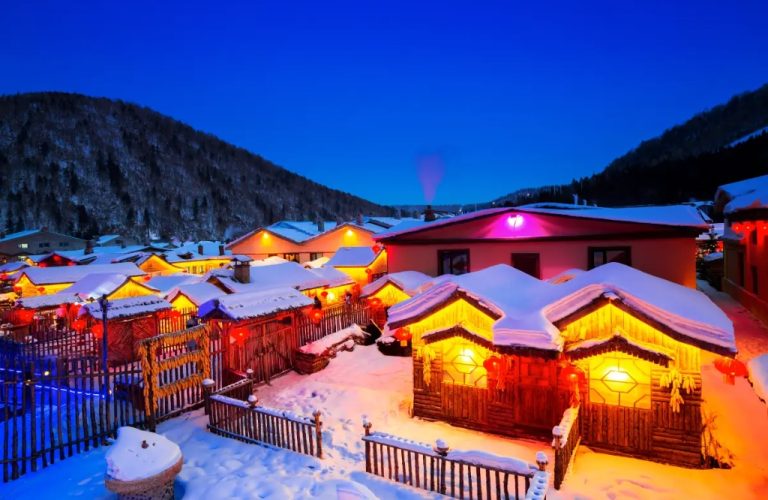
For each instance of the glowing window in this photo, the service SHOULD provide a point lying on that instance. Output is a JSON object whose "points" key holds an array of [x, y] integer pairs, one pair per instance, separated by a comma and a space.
{"points": [[620, 380], [463, 365]]}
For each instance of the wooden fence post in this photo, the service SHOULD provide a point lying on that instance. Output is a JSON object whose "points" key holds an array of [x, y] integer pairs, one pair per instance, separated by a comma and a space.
{"points": [[318, 433], [208, 385], [367, 426], [541, 461]]}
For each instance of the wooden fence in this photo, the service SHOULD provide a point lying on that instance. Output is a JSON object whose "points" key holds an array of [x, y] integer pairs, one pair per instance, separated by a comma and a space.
{"points": [[335, 318], [246, 421], [51, 409], [457, 474], [566, 438]]}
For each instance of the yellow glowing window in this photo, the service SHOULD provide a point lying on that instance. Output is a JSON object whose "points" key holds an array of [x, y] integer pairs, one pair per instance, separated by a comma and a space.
{"points": [[620, 380], [463, 365]]}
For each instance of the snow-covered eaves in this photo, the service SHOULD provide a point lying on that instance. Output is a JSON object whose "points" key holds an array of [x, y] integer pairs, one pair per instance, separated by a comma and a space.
{"points": [[749, 194], [164, 284], [49, 301], [354, 257], [620, 342], [408, 282], [255, 304], [528, 309], [71, 274], [93, 286], [288, 274], [123, 308], [333, 277], [13, 266], [673, 216], [197, 293]]}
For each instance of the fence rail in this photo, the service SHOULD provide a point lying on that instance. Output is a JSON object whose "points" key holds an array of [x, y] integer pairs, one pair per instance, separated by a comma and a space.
{"points": [[566, 438], [248, 422], [334, 318], [453, 473]]}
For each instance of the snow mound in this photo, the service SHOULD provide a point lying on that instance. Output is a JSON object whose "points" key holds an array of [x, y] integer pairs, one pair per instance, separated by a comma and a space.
{"points": [[139, 454], [758, 375]]}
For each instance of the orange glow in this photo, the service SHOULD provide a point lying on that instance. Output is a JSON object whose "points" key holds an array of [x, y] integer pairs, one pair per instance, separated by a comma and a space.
{"points": [[616, 374], [350, 232]]}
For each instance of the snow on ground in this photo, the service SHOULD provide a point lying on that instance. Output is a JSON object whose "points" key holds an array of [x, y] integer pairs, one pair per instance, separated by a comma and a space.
{"points": [[366, 383]]}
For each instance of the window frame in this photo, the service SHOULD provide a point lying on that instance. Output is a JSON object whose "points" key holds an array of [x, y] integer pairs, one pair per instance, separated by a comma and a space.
{"points": [[527, 255], [591, 250], [443, 252]]}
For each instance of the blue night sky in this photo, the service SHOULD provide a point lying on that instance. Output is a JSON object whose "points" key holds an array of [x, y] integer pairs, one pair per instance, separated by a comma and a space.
{"points": [[501, 95]]}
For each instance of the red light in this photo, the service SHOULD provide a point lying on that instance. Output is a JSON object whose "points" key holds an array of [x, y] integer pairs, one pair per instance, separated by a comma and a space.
{"points": [[324, 294], [403, 335], [4, 276], [147, 277], [97, 330], [736, 227], [78, 325], [57, 258], [748, 227], [492, 364], [41, 289], [42, 264], [71, 263], [375, 302], [317, 316]]}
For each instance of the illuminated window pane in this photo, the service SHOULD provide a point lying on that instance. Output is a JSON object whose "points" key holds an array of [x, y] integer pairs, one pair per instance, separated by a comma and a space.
{"points": [[621, 380], [463, 365]]}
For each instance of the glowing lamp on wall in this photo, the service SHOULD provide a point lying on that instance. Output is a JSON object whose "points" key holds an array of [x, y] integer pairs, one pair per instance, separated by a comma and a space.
{"points": [[79, 325], [317, 316], [572, 374], [330, 296], [239, 335], [71, 263], [403, 335], [374, 302], [42, 264], [736, 227], [764, 226], [350, 232], [515, 221], [731, 368], [97, 329], [748, 226], [617, 375], [41, 289]]}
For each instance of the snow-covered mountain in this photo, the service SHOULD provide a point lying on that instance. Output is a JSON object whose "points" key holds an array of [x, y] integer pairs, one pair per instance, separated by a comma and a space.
{"points": [[89, 166]]}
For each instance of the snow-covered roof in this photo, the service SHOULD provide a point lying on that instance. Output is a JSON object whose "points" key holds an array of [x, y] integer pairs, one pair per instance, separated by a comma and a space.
{"points": [[669, 215], [106, 238], [407, 281], [46, 301], [748, 194], [164, 284], [318, 262], [71, 274], [254, 304], [528, 308], [19, 234], [93, 286], [269, 261], [564, 276], [353, 257], [132, 306], [198, 293], [288, 274], [715, 232], [332, 276], [12, 266], [183, 255], [713, 257], [209, 247]]}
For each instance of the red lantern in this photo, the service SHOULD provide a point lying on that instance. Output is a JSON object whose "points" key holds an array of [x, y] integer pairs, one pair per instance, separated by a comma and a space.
{"points": [[368, 270], [79, 325], [324, 293], [71, 263], [731, 368], [4, 276], [492, 365], [572, 374], [17, 289], [57, 258], [403, 335], [317, 316], [376, 248], [147, 277], [736, 227], [239, 334], [41, 289], [374, 301], [748, 226], [97, 329], [42, 264]]}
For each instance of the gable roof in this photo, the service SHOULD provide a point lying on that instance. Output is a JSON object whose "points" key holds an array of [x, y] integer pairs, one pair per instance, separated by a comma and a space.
{"points": [[331, 276], [672, 216], [354, 257], [47, 301], [93, 286], [122, 308], [165, 284], [748, 194], [528, 308], [254, 304], [409, 282], [30, 232], [71, 274], [197, 293]]}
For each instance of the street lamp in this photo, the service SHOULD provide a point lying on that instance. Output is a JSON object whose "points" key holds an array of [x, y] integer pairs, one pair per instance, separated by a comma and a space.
{"points": [[104, 305]]}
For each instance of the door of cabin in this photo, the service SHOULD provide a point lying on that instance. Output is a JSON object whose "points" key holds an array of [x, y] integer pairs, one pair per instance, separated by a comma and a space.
{"points": [[616, 414]]}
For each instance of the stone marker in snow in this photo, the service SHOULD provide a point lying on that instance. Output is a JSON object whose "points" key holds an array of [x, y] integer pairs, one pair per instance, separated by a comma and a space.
{"points": [[142, 465]]}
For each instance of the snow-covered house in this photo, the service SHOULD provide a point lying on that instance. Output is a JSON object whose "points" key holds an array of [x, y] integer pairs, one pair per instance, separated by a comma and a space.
{"points": [[194, 262], [745, 207], [546, 239], [302, 241], [33, 281], [37, 241], [187, 298], [112, 285], [362, 264], [501, 351], [258, 329]]}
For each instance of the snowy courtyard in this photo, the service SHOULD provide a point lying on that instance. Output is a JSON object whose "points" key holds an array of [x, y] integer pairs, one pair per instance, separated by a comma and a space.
{"points": [[366, 383]]}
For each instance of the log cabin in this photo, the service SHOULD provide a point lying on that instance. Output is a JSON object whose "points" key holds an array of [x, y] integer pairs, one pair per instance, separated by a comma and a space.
{"points": [[745, 207], [258, 329], [501, 351], [363, 264], [545, 239], [32, 281], [187, 298]]}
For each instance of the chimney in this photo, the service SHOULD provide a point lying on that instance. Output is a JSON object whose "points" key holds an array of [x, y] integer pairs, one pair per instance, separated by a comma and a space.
{"points": [[242, 271], [221, 249], [429, 214], [359, 219], [200, 248], [320, 225], [575, 199], [88, 247], [122, 242]]}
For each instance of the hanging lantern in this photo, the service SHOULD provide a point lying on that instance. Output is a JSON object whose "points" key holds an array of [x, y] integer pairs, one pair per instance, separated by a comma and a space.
{"points": [[79, 325], [97, 329], [403, 335], [764, 225], [748, 226], [42, 264], [731, 368], [324, 293], [71, 263], [492, 365], [17, 289], [4, 276], [239, 335], [26, 315], [374, 301], [317, 316], [376, 248], [147, 277], [736, 227], [572, 374], [57, 258], [41, 289], [368, 270]]}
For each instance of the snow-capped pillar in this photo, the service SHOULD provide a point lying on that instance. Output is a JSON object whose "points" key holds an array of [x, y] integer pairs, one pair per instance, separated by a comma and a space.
{"points": [[367, 426], [208, 385]]}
